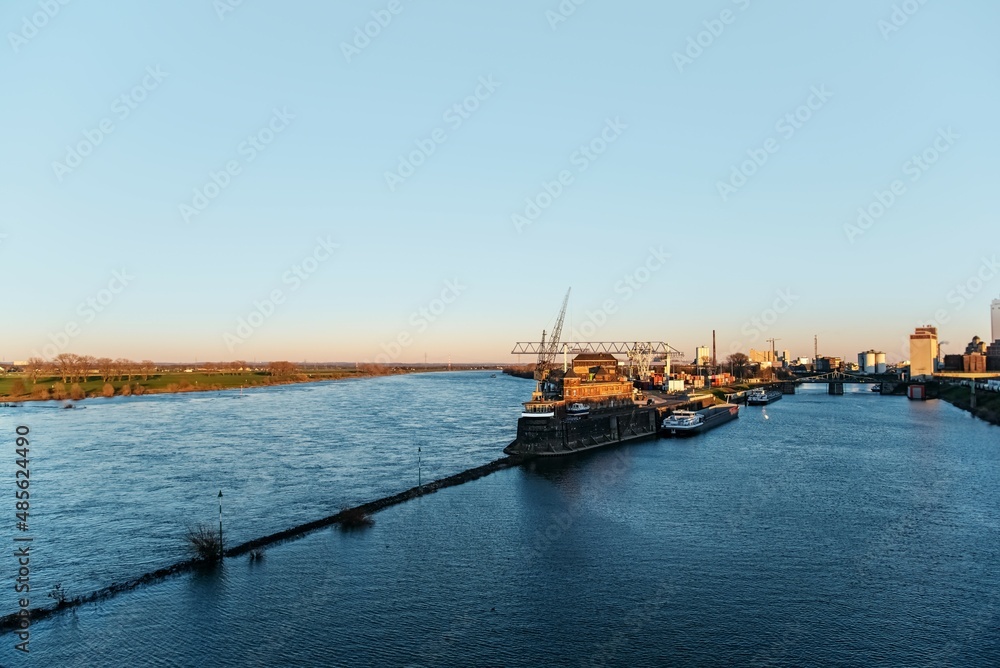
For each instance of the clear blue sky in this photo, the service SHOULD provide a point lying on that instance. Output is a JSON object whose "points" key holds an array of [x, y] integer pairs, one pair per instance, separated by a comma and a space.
{"points": [[552, 86]]}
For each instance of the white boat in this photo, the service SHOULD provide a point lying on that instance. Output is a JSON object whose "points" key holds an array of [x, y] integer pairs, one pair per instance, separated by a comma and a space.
{"points": [[577, 410], [683, 421], [686, 423], [539, 409], [761, 397]]}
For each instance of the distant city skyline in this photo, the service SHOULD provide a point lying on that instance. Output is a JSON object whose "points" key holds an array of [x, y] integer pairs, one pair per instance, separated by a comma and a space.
{"points": [[322, 184]]}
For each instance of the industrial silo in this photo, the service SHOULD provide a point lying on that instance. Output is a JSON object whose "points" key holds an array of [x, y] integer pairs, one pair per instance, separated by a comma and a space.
{"points": [[880, 365], [866, 362]]}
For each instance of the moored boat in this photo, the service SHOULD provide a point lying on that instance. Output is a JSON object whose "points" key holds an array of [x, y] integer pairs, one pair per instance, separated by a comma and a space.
{"points": [[539, 409], [761, 397], [577, 410], [686, 423]]}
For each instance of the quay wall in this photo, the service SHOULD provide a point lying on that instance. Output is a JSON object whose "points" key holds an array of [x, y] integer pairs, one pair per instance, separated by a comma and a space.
{"points": [[557, 436]]}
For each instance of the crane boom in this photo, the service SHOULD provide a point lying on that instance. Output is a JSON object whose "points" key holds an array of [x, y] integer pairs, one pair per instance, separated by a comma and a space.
{"points": [[547, 351]]}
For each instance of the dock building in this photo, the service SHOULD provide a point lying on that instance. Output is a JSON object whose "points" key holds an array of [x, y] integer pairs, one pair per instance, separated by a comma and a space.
{"points": [[923, 352]]}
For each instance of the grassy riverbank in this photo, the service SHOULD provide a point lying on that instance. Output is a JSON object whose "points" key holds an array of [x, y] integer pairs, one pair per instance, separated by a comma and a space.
{"points": [[18, 387], [987, 403]]}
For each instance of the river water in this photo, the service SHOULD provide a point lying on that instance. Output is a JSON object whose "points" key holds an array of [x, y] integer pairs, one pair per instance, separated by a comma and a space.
{"points": [[820, 530]]}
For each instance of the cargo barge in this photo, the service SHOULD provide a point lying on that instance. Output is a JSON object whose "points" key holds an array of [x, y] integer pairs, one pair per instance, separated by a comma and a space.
{"points": [[582, 407], [688, 423], [762, 397]]}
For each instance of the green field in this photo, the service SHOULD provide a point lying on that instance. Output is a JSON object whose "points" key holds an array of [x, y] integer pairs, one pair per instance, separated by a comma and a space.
{"points": [[163, 382]]}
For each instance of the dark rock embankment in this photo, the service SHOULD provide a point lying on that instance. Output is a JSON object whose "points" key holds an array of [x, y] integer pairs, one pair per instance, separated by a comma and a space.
{"points": [[12, 622]]}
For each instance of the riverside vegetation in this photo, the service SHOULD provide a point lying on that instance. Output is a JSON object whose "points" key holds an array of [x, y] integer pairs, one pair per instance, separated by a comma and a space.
{"points": [[73, 377]]}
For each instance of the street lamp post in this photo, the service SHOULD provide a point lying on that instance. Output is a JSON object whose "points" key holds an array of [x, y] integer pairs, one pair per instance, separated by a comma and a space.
{"points": [[220, 522]]}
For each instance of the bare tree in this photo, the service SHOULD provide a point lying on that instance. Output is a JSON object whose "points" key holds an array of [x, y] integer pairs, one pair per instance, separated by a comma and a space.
{"points": [[279, 369], [64, 366], [148, 368], [84, 365], [105, 368], [35, 367], [123, 368], [738, 362]]}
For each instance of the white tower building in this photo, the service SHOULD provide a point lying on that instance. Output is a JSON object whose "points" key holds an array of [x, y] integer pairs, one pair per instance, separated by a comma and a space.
{"points": [[995, 319]]}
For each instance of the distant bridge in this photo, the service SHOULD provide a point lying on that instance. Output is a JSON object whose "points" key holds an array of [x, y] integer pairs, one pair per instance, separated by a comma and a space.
{"points": [[841, 377]]}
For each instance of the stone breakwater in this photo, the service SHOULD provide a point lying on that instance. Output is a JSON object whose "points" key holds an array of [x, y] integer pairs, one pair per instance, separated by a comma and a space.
{"points": [[10, 622]]}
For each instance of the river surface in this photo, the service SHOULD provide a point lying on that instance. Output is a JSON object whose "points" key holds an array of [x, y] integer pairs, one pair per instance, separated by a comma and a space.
{"points": [[856, 530]]}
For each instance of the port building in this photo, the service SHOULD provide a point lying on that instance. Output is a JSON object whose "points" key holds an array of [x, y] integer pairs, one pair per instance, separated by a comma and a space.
{"points": [[828, 364], [594, 377], [702, 356], [993, 356], [923, 352]]}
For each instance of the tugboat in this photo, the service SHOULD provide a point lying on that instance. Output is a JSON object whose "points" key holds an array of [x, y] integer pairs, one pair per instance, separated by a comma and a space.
{"points": [[761, 397]]}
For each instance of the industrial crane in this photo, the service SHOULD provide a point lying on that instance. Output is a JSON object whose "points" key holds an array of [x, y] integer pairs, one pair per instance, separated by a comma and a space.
{"points": [[548, 349], [774, 353]]}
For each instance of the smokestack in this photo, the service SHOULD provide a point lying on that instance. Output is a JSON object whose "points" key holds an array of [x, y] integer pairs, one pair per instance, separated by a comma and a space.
{"points": [[713, 350]]}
